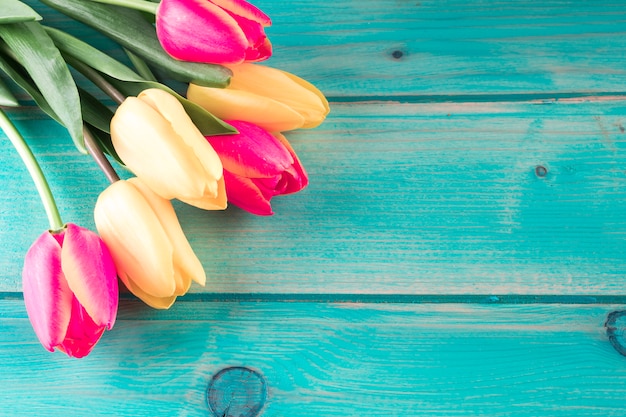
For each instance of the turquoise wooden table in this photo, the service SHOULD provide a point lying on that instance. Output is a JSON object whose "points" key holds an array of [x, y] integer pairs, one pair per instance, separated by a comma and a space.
{"points": [[460, 250]]}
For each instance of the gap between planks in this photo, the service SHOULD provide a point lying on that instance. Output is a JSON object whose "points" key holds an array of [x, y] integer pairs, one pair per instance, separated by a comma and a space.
{"points": [[337, 298]]}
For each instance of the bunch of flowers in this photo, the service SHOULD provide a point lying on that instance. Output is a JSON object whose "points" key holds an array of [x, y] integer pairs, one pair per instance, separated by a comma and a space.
{"points": [[221, 143]]}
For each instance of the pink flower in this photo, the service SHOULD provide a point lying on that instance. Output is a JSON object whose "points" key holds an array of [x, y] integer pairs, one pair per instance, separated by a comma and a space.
{"points": [[257, 166], [213, 31], [70, 289]]}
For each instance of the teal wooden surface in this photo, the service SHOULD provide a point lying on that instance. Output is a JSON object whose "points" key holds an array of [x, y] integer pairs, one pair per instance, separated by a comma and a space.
{"points": [[453, 47], [327, 360], [411, 198], [457, 252]]}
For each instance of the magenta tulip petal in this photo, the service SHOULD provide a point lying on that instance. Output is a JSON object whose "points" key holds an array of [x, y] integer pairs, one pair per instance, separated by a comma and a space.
{"points": [[299, 177], [90, 273], [252, 153], [259, 48], [244, 9], [244, 194], [82, 333], [199, 31], [47, 296]]}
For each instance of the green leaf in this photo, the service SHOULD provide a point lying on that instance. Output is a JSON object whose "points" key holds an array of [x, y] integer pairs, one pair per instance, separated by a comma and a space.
{"points": [[206, 122], [104, 140], [6, 96], [142, 68], [128, 82], [94, 112], [129, 28], [14, 11], [18, 75], [35, 51], [91, 56]]}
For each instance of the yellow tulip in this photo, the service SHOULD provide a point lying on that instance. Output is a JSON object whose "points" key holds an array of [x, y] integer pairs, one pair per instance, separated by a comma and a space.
{"points": [[151, 253], [158, 142], [267, 97]]}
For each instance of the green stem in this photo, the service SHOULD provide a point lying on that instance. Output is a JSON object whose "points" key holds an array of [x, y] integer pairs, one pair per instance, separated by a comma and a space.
{"points": [[54, 218], [141, 5], [96, 78], [99, 156]]}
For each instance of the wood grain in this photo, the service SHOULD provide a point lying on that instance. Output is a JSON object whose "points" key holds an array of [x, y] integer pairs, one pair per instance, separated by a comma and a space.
{"points": [[327, 360], [404, 199], [425, 50]]}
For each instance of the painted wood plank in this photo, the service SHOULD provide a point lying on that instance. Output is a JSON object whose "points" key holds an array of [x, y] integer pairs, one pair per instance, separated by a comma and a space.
{"points": [[404, 199], [388, 48], [326, 360]]}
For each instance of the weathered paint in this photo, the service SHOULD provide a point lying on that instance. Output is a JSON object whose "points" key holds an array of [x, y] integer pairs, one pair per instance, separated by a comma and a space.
{"points": [[461, 249]]}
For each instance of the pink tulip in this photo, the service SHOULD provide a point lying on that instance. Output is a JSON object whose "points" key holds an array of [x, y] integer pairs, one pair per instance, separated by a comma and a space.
{"points": [[257, 166], [70, 289], [213, 31]]}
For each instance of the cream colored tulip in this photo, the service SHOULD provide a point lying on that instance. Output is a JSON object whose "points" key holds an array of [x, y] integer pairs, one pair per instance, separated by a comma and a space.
{"points": [[158, 142], [267, 97], [151, 253]]}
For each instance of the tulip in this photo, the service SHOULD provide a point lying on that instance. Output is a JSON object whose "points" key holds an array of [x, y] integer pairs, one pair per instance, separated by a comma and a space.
{"points": [[213, 31], [257, 167], [151, 253], [156, 139], [270, 98], [70, 289]]}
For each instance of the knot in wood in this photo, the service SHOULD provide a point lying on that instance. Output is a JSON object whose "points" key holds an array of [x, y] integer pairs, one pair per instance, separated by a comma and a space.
{"points": [[237, 392], [615, 328]]}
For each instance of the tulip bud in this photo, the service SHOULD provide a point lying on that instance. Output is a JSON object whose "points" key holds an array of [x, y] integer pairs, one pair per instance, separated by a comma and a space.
{"points": [[257, 167], [151, 253], [213, 31], [70, 289], [267, 97], [156, 139]]}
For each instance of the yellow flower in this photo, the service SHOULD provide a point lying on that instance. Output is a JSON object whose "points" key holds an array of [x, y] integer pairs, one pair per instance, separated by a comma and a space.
{"points": [[151, 253], [267, 97], [158, 142]]}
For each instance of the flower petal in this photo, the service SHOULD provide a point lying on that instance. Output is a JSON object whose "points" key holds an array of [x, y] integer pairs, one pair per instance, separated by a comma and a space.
{"points": [[82, 333], [284, 87], [199, 31], [259, 47], [244, 9], [161, 303], [186, 264], [253, 152], [90, 273], [150, 147], [139, 245], [243, 193], [47, 296], [172, 110], [298, 176], [227, 103], [208, 202]]}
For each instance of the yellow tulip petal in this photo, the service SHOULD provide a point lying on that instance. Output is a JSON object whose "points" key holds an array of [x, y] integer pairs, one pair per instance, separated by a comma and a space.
{"points": [[140, 248], [211, 203], [173, 111], [289, 89], [161, 303], [187, 266], [316, 113], [229, 104], [183, 282], [151, 148]]}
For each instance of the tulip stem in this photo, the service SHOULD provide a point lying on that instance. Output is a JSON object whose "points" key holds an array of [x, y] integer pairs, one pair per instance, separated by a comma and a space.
{"points": [[34, 169], [96, 78], [141, 5], [96, 153]]}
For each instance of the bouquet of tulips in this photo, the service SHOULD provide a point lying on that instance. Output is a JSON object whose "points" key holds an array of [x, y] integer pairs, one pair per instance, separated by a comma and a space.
{"points": [[219, 141]]}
